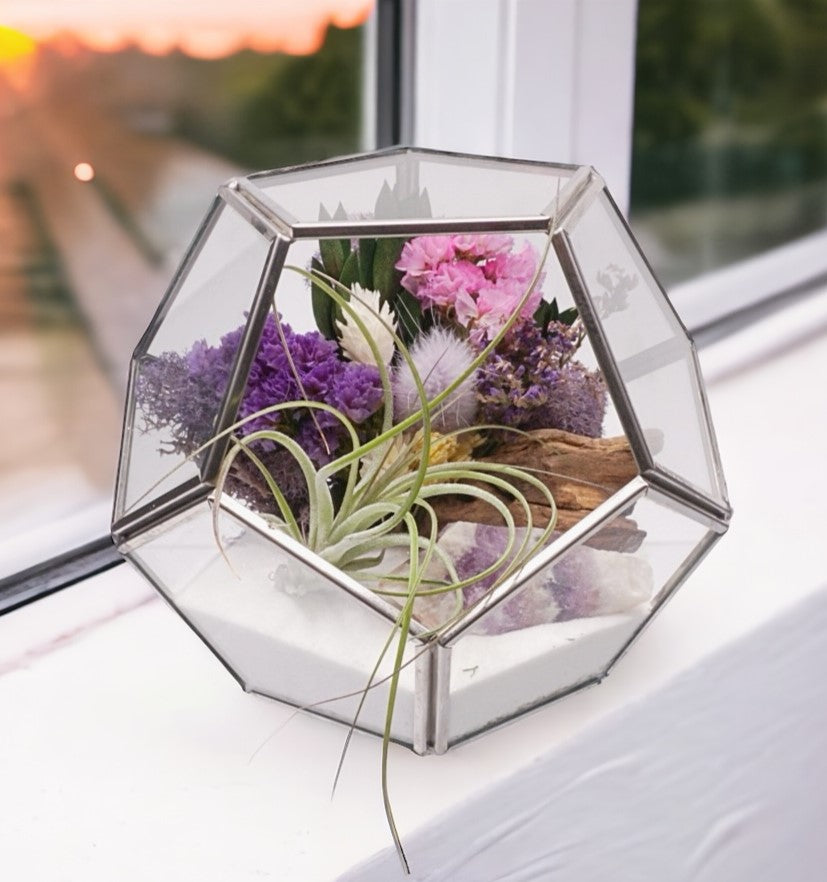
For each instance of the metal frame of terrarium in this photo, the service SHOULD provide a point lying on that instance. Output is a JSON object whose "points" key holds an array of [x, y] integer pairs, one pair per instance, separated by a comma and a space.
{"points": [[433, 664]]}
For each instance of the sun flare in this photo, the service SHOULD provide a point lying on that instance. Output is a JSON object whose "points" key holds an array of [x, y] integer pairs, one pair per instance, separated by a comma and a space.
{"points": [[14, 45]]}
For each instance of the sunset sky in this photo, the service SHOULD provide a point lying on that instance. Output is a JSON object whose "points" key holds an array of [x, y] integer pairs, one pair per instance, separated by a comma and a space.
{"points": [[201, 27]]}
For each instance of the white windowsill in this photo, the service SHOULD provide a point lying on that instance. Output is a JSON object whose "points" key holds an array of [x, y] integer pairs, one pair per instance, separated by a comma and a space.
{"points": [[129, 750]]}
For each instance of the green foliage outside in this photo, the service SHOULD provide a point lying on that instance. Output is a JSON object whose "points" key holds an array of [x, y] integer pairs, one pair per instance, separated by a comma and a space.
{"points": [[269, 111], [731, 98], [259, 110]]}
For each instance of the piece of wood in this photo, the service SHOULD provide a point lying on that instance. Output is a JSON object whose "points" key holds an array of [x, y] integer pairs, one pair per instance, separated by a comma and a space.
{"points": [[580, 472]]}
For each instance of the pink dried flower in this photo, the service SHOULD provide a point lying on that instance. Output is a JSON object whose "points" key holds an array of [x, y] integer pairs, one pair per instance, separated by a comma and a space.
{"points": [[476, 282], [475, 247], [444, 284], [465, 309], [422, 255], [520, 266], [497, 303]]}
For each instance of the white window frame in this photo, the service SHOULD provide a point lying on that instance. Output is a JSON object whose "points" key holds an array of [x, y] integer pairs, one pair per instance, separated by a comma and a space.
{"points": [[554, 80], [534, 79], [538, 79]]}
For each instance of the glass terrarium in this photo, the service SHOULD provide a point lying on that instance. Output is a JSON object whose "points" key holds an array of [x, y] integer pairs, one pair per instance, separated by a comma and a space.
{"points": [[415, 440]]}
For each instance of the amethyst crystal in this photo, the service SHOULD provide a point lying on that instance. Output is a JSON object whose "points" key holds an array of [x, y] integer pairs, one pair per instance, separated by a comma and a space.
{"points": [[585, 582]]}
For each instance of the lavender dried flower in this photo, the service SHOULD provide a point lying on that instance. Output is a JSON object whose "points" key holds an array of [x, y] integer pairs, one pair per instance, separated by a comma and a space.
{"points": [[180, 395], [531, 381]]}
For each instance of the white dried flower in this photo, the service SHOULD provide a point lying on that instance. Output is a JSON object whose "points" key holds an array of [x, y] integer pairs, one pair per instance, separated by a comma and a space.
{"points": [[440, 357], [378, 321]]}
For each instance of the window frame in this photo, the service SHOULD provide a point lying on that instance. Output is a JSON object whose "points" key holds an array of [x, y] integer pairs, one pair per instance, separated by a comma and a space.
{"points": [[415, 67], [387, 53], [594, 98]]}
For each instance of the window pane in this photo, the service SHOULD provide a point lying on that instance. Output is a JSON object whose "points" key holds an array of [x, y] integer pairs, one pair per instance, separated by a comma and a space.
{"points": [[730, 131], [114, 136]]}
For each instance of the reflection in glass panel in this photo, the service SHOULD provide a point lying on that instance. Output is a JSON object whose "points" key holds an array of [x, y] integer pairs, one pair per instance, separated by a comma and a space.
{"points": [[418, 185], [565, 625], [280, 626], [730, 131], [218, 287], [626, 297], [114, 138], [181, 380], [483, 190], [646, 339], [666, 397], [305, 195]]}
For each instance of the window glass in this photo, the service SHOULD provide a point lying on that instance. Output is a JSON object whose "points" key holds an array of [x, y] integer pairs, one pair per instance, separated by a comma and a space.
{"points": [[117, 124], [730, 130]]}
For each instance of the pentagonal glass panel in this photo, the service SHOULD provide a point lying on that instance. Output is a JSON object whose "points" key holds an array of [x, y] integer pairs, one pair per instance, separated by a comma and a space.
{"points": [[413, 185], [566, 624], [177, 389], [281, 627], [649, 345]]}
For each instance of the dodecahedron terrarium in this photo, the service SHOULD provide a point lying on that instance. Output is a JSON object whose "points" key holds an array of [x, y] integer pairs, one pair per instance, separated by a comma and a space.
{"points": [[422, 425]]}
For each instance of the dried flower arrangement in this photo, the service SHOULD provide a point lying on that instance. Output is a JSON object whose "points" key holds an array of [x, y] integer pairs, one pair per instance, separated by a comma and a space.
{"points": [[429, 437], [365, 456]]}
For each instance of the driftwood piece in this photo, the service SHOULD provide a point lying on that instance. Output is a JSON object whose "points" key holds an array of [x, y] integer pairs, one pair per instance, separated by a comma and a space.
{"points": [[580, 472]]}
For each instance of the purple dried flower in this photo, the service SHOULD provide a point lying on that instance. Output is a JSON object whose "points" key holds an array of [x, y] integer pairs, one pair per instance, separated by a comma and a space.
{"points": [[357, 391], [181, 394], [179, 399], [532, 382], [308, 369]]}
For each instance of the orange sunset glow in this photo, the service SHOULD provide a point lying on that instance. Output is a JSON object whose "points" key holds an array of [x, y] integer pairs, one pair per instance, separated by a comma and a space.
{"points": [[206, 29]]}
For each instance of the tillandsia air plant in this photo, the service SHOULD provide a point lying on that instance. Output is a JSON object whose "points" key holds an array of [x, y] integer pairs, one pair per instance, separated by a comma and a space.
{"points": [[408, 500], [431, 354]]}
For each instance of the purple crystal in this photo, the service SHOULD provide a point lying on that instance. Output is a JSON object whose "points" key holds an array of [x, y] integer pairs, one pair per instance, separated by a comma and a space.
{"points": [[585, 582]]}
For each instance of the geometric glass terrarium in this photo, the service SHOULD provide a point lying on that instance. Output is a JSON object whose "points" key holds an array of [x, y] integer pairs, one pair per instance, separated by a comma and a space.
{"points": [[419, 422]]}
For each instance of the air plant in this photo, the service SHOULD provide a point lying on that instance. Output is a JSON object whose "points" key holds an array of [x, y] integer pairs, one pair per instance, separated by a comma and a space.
{"points": [[385, 485], [377, 415]]}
